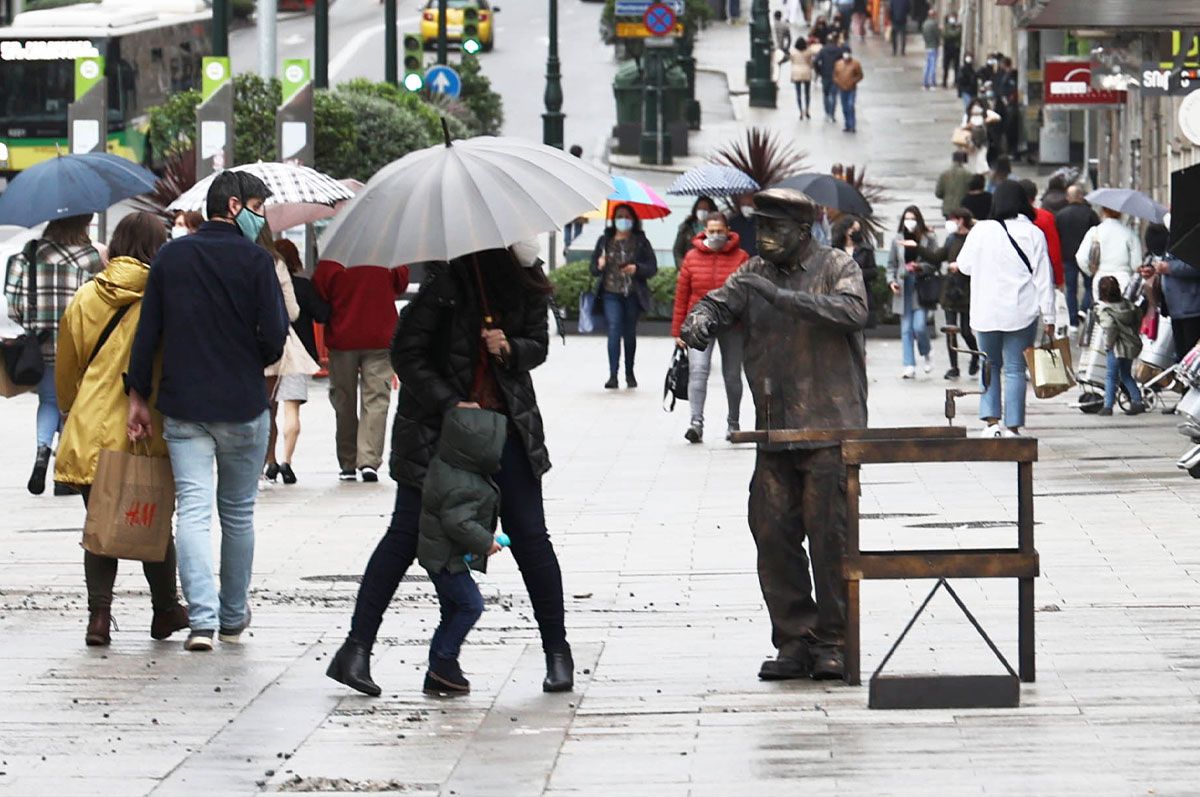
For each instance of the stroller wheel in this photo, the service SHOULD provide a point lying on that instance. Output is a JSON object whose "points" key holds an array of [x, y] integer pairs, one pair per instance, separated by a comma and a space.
{"points": [[1090, 403], [1149, 398]]}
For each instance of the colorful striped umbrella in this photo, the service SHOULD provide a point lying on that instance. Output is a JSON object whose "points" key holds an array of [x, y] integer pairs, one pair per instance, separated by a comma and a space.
{"points": [[642, 198]]}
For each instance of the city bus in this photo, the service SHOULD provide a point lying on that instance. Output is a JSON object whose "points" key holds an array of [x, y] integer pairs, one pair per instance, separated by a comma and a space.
{"points": [[152, 50]]}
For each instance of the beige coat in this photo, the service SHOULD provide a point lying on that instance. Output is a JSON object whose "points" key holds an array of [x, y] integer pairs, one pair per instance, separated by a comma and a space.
{"points": [[802, 63], [295, 359]]}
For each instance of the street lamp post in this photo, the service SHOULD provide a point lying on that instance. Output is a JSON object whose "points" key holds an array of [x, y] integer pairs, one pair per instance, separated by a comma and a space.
{"points": [[220, 27], [552, 119], [758, 68], [321, 44], [390, 43]]}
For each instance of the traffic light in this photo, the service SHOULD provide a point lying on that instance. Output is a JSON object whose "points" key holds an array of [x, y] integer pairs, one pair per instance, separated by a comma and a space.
{"points": [[470, 31], [414, 61]]}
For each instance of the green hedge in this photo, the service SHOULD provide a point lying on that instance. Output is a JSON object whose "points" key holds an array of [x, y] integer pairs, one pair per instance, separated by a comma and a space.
{"points": [[573, 279]]}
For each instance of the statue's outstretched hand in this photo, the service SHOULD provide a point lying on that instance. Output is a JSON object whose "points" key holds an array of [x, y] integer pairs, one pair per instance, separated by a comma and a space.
{"points": [[696, 330]]}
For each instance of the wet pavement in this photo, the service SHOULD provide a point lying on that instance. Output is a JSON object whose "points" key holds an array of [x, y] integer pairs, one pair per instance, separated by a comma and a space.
{"points": [[664, 614]]}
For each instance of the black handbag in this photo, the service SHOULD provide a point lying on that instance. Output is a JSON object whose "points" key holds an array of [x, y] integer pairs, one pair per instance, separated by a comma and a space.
{"points": [[929, 290], [23, 354], [676, 385]]}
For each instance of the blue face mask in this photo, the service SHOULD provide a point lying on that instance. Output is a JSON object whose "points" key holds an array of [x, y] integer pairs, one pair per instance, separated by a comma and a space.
{"points": [[623, 224], [250, 223]]}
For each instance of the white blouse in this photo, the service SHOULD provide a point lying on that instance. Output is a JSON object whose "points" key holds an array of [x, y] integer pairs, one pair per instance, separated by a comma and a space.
{"points": [[1005, 296]]}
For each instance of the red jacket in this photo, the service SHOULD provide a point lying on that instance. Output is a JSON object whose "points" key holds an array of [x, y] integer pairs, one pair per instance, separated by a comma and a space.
{"points": [[363, 300], [1045, 223], [704, 270]]}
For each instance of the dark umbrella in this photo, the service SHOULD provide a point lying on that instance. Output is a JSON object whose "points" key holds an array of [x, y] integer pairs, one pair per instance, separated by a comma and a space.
{"points": [[830, 192], [72, 185]]}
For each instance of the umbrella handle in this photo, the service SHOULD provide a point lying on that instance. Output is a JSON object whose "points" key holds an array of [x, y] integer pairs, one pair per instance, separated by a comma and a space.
{"points": [[483, 300]]}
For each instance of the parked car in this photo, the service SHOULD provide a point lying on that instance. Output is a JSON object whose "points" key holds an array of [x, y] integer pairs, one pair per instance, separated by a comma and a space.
{"points": [[454, 21]]}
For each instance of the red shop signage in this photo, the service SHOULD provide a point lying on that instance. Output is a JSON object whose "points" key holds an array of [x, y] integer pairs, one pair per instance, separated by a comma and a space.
{"points": [[1070, 83]]}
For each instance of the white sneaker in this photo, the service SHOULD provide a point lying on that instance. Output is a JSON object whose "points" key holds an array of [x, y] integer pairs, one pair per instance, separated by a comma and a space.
{"points": [[1006, 432], [991, 432], [909, 372], [928, 363]]}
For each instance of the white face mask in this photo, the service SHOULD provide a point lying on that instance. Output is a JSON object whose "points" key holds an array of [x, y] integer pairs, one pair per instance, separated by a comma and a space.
{"points": [[179, 232], [977, 119], [701, 216], [747, 210], [910, 225], [951, 226]]}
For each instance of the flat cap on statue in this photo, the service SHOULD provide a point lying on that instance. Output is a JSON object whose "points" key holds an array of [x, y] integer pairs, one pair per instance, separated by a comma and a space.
{"points": [[785, 203]]}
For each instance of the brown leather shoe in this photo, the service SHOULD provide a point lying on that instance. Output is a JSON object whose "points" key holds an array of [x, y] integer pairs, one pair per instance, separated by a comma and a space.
{"points": [[97, 634], [168, 622]]}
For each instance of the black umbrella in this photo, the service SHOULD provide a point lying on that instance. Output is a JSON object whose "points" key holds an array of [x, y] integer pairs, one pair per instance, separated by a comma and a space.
{"points": [[1185, 215], [830, 192]]}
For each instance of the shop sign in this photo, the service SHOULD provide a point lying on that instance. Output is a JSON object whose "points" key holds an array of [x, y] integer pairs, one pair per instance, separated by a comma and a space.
{"points": [[1069, 82]]}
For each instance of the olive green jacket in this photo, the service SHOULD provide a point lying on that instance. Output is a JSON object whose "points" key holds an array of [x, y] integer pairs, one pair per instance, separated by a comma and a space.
{"points": [[460, 503]]}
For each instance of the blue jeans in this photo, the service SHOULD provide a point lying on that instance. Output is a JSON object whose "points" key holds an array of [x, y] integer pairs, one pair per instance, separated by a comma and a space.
{"points": [[1071, 275], [831, 96], [848, 98], [1005, 356], [913, 325], [1120, 368], [238, 450], [461, 606], [49, 420], [967, 99], [621, 313], [930, 78]]}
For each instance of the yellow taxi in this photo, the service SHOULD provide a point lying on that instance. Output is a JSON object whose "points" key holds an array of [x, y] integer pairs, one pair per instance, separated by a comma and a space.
{"points": [[455, 17]]}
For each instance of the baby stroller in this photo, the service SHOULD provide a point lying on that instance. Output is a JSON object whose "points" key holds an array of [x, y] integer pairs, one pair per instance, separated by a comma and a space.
{"points": [[1188, 373]]}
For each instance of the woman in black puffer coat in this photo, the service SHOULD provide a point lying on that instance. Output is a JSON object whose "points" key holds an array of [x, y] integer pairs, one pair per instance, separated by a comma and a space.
{"points": [[453, 350]]}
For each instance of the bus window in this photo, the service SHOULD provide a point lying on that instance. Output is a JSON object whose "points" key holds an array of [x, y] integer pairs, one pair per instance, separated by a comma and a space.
{"points": [[34, 91]]}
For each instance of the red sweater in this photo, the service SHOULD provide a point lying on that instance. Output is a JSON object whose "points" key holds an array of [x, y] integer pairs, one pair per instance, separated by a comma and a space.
{"points": [[363, 301], [1045, 223], [704, 270]]}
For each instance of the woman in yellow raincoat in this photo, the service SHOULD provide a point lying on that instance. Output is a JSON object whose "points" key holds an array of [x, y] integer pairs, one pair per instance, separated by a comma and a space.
{"points": [[91, 396]]}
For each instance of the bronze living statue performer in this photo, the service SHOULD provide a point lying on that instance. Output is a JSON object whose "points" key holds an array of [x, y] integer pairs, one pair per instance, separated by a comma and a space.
{"points": [[803, 307]]}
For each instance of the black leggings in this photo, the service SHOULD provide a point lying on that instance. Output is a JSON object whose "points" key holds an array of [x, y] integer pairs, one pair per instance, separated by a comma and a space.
{"points": [[963, 322], [100, 572], [524, 521]]}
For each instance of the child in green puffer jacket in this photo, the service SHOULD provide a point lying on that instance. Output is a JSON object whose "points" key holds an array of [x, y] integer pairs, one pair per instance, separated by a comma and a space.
{"points": [[460, 506], [1119, 320]]}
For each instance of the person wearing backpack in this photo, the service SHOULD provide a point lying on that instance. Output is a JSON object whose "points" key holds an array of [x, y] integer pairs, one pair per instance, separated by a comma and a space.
{"points": [[1119, 319], [64, 259], [1012, 291], [94, 342]]}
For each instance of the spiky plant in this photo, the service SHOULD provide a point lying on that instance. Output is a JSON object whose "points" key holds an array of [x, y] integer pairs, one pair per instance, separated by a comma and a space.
{"points": [[764, 155], [178, 175], [874, 193]]}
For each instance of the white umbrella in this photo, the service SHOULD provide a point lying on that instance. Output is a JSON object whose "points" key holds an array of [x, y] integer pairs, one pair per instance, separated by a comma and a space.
{"points": [[450, 200], [290, 184], [1128, 201]]}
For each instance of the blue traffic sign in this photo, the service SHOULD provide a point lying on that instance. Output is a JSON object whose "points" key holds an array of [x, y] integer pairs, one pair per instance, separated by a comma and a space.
{"points": [[441, 79], [638, 8]]}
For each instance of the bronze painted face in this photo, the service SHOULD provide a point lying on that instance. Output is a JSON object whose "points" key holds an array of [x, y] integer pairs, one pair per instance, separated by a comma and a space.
{"points": [[783, 242]]}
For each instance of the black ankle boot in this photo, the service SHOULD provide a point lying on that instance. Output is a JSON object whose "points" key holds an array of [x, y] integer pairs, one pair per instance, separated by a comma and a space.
{"points": [[560, 672], [37, 480], [351, 666]]}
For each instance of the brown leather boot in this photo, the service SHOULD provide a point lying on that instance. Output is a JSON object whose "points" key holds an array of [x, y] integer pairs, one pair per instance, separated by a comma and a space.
{"points": [[99, 622], [168, 622]]}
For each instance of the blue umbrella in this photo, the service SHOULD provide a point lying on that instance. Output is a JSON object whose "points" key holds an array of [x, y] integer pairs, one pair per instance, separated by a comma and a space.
{"points": [[72, 185], [712, 179]]}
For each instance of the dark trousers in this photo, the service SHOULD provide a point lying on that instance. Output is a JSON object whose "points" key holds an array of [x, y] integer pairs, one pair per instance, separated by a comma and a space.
{"points": [[462, 606], [963, 322], [621, 314], [899, 36], [524, 521], [1187, 334], [830, 90], [803, 95], [794, 495], [1071, 275], [950, 57], [100, 573]]}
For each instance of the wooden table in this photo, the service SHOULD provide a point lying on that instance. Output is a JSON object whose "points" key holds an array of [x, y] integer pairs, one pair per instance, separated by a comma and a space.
{"points": [[928, 444]]}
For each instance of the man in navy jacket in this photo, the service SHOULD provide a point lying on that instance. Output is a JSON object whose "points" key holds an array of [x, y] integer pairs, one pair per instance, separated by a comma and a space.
{"points": [[213, 310]]}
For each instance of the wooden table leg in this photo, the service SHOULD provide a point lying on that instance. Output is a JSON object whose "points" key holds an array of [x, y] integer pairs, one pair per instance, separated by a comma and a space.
{"points": [[853, 650], [1025, 587]]}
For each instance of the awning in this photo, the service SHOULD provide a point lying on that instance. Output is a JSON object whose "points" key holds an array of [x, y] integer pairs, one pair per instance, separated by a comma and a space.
{"points": [[1143, 15]]}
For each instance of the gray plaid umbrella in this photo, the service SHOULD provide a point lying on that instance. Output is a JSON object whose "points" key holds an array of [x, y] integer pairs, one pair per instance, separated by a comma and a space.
{"points": [[290, 185], [450, 200], [713, 180]]}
